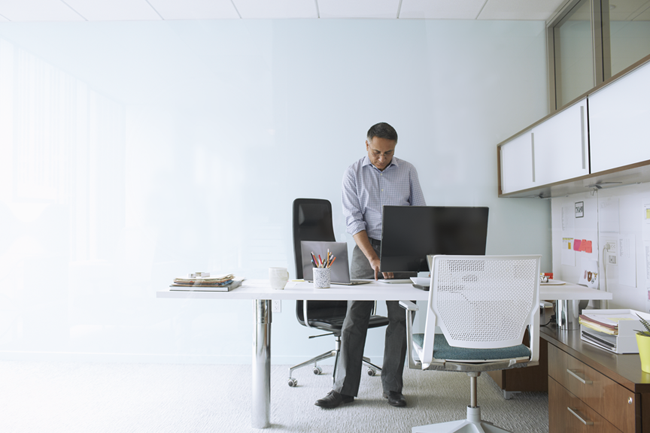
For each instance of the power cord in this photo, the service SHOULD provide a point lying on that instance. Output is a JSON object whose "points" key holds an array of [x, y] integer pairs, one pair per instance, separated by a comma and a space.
{"points": [[551, 320]]}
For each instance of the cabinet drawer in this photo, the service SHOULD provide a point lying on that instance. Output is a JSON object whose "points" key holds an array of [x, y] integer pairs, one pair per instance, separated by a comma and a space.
{"points": [[612, 401], [567, 413]]}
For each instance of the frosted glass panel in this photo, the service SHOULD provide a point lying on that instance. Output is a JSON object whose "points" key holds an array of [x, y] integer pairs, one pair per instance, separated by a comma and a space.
{"points": [[630, 42], [574, 55], [135, 152]]}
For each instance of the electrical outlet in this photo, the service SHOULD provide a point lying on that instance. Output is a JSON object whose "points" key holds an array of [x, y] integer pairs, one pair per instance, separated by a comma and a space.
{"points": [[611, 247], [611, 259], [276, 306]]}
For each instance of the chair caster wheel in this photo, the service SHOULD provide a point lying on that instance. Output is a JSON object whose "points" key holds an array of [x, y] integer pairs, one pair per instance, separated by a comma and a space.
{"points": [[372, 372], [293, 382], [317, 370]]}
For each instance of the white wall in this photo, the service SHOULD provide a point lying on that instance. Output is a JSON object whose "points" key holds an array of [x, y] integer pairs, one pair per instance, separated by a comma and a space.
{"points": [[615, 216], [134, 152]]}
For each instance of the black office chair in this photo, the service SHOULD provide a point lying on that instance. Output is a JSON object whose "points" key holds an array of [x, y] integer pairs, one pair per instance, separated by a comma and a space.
{"points": [[312, 221]]}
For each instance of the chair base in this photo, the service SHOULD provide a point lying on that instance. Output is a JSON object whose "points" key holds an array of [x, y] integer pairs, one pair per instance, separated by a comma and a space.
{"points": [[472, 424], [372, 368]]}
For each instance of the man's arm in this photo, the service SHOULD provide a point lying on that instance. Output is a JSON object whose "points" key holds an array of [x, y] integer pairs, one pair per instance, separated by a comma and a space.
{"points": [[363, 242], [417, 197]]}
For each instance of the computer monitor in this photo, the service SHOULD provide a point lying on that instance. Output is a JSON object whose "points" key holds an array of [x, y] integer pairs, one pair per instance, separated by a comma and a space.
{"points": [[410, 233]]}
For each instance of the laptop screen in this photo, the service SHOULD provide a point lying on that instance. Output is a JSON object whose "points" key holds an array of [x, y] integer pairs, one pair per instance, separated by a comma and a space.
{"points": [[340, 269]]}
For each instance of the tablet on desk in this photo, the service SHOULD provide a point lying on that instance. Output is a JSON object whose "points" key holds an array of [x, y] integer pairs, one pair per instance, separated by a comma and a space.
{"points": [[395, 281]]}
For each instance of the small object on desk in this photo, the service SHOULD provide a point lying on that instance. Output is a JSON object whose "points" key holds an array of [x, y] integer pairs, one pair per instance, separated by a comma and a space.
{"points": [[206, 280], [612, 330], [322, 278], [551, 282], [421, 281], [232, 284], [278, 277], [395, 281], [545, 277]]}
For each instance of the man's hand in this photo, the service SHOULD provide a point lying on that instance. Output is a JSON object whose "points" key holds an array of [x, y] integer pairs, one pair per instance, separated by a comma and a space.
{"points": [[366, 248]]}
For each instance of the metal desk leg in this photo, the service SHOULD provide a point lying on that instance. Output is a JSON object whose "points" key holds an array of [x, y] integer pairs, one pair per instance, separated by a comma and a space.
{"points": [[261, 404]]}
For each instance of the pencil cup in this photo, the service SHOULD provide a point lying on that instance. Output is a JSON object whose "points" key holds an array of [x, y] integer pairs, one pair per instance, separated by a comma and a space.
{"points": [[278, 278], [321, 278]]}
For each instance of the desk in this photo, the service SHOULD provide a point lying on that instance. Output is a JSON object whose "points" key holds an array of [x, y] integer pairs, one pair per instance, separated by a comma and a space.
{"points": [[262, 294], [609, 390]]}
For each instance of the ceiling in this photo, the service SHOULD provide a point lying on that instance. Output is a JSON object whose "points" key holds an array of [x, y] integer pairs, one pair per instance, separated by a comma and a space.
{"points": [[156, 10]]}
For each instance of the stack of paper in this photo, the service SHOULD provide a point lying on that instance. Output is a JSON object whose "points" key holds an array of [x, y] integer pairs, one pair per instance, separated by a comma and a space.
{"points": [[602, 329], [218, 283]]}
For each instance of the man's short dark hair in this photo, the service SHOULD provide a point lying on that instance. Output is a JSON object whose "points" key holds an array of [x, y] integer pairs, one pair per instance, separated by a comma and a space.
{"points": [[382, 130]]}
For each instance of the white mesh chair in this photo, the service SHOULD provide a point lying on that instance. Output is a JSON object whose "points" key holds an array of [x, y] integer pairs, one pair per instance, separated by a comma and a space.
{"points": [[483, 305]]}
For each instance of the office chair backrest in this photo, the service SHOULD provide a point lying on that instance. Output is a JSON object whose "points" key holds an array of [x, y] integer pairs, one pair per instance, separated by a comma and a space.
{"points": [[485, 301], [312, 221]]}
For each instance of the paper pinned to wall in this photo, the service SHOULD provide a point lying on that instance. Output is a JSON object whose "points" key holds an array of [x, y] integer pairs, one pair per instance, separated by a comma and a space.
{"points": [[577, 245], [568, 255], [646, 218], [608, 216], [627, 260], [568, 219]]}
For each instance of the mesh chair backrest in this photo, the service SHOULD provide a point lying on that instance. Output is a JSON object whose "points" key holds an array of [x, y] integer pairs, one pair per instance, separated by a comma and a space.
{"points": [[484, 301]]}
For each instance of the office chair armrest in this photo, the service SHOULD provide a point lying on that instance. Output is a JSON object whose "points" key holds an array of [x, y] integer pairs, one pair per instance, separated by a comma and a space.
{"points": [[408, 305], [304, 314]]}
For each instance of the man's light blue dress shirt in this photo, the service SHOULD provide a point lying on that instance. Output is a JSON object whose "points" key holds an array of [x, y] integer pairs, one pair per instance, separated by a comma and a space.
{"points": [[366, 189]]}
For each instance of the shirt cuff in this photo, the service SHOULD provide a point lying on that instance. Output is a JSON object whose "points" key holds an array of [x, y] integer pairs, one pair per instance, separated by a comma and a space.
{"points": [[356, 227]]}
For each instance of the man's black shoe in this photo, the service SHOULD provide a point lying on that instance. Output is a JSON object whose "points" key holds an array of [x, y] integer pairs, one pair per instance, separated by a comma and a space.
{"points": [[395, 398], [333, 399]]}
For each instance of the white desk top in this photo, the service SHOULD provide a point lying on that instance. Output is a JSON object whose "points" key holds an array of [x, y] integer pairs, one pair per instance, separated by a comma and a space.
{"points": [[260, 289], [571, 292]]}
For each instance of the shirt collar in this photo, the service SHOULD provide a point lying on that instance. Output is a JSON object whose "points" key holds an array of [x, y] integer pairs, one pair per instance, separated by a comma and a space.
{"points": [[366, 161]]}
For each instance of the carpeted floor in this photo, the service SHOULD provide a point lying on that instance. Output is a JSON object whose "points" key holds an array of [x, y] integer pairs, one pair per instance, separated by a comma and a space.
{"points": [[116, 398]]}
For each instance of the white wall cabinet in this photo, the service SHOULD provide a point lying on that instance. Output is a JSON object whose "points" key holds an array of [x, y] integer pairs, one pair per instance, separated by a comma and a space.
{"points": [[603, 139], [552, 151], [562, 145], [517, 164], [619, 115]]}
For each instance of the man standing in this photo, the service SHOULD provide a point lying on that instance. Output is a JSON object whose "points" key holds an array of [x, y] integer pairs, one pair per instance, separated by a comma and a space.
{"points": [[372, 182]]}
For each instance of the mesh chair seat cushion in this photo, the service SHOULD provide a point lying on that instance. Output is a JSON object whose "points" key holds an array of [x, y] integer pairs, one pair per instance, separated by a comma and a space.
{"points": [[442, 350], [336, 323]]}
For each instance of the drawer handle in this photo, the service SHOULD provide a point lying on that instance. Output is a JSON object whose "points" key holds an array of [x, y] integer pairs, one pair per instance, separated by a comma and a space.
{"points": [[585, 381], [584, 421]]}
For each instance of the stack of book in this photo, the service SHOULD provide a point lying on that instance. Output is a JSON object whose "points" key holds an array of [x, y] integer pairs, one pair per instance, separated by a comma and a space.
{"points": [[612, 330], [202, 281]]}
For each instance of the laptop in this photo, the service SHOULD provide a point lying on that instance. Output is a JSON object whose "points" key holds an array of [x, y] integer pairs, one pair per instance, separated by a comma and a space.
{"points": [[340, 269]]}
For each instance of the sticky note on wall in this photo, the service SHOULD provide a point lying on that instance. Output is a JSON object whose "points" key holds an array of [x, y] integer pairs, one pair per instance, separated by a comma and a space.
{"points": [[576, 245], [587, 246]]}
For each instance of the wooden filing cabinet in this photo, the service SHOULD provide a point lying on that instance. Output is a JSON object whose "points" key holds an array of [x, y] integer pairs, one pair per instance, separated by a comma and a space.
{"points": [[529, 379], [592, 390]]}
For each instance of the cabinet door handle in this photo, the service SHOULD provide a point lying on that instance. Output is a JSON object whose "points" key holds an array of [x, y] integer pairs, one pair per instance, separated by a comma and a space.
{"points": [[583, 380], [582, 133], [532, 151], [584, 421]]}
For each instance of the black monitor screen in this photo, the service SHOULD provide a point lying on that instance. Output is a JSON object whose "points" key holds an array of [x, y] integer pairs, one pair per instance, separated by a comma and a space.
{"points": [[410, 233]]}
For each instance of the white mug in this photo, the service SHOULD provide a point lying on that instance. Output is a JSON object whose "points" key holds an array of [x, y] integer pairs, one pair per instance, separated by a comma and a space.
{"points": [[278, 277]]}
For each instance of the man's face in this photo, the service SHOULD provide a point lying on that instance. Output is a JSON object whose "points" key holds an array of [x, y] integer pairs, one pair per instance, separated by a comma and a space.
{"points": [[380, 151]]}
